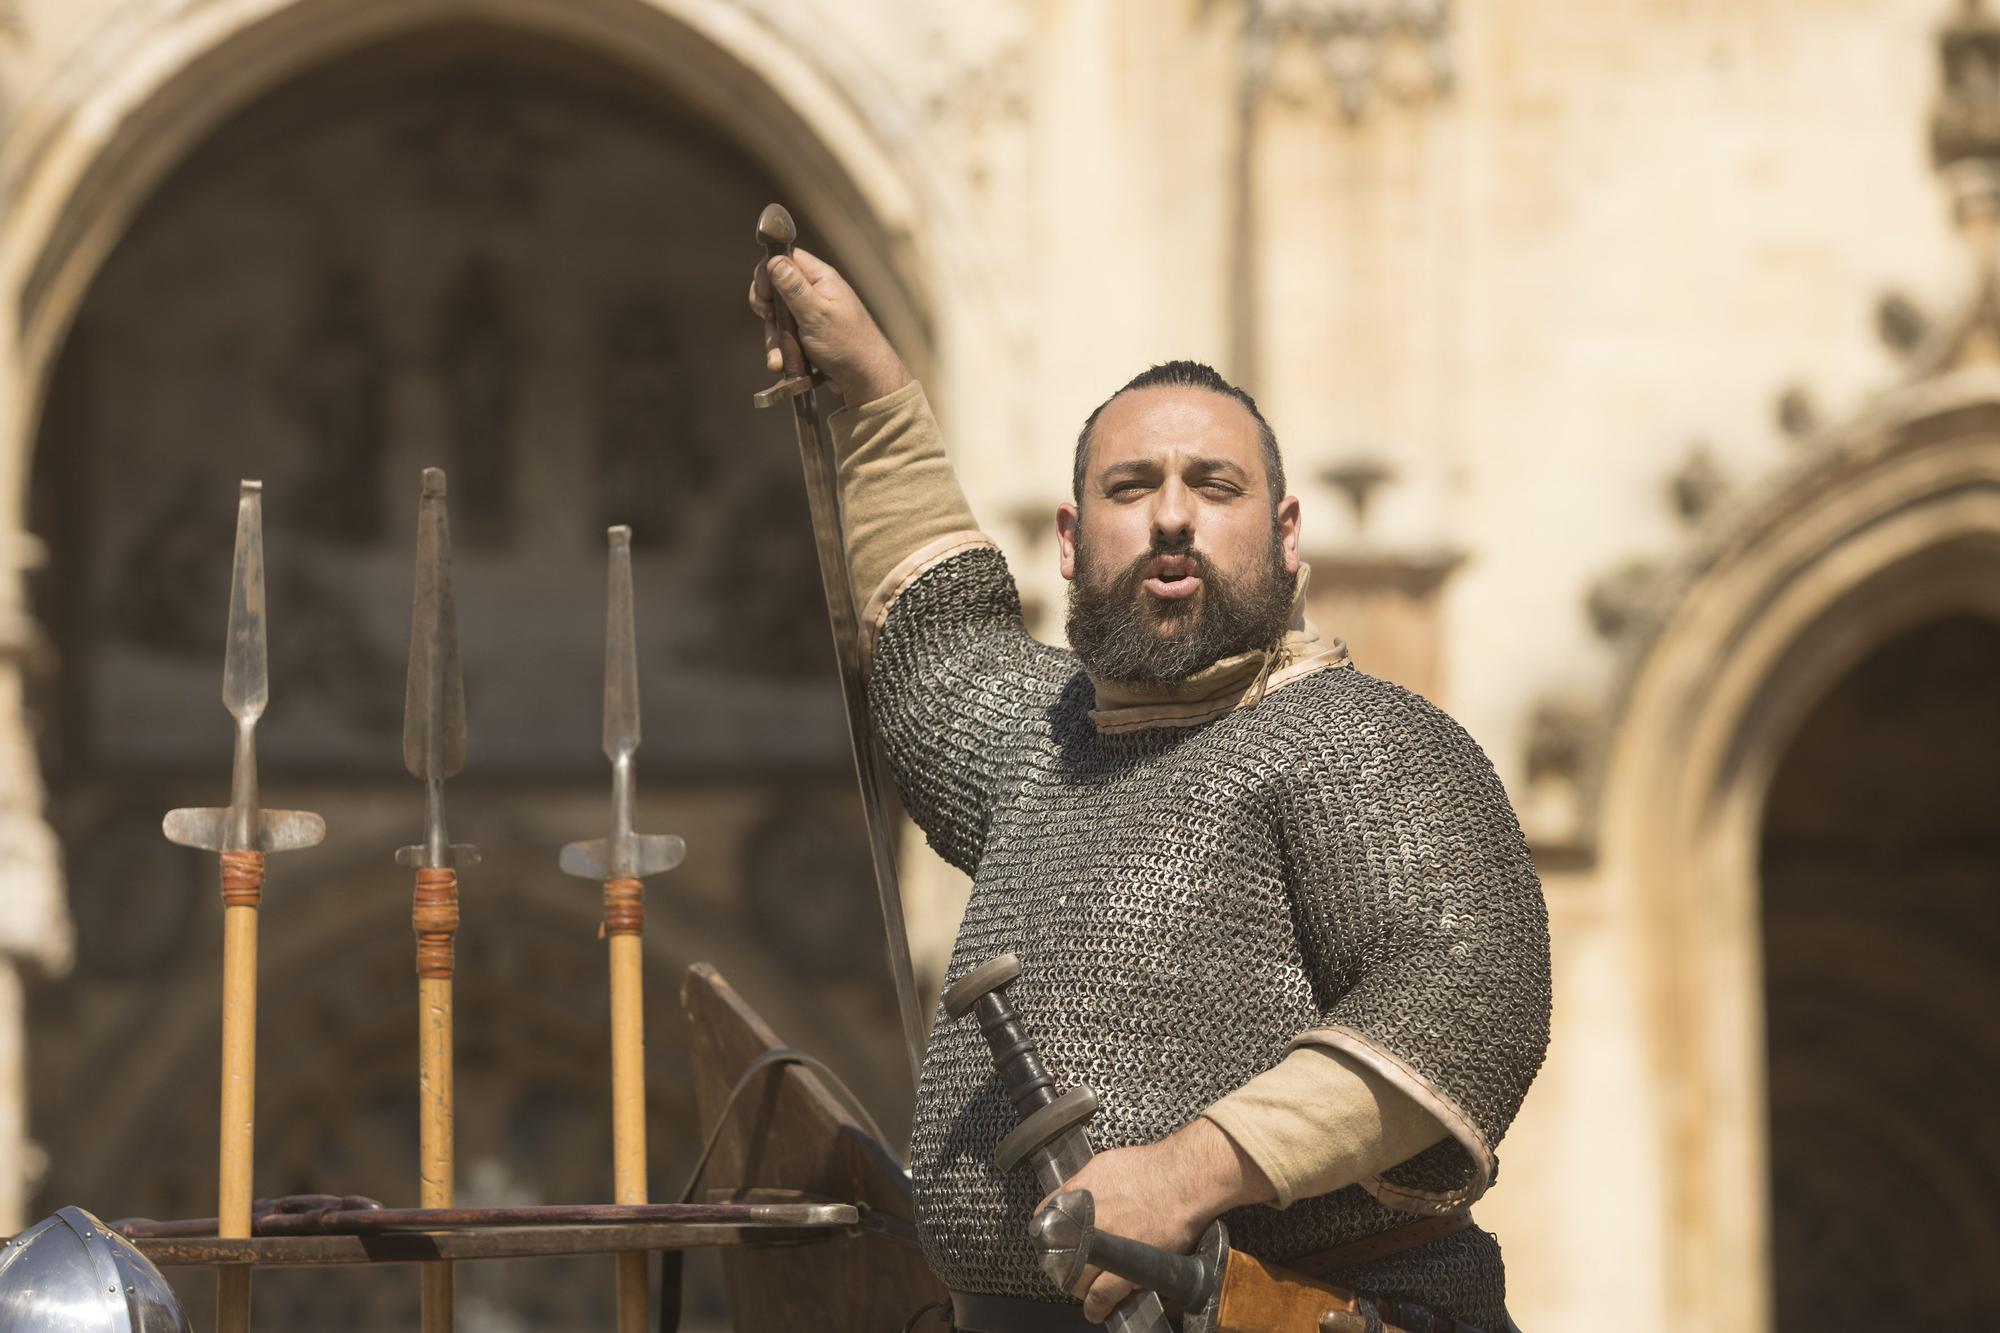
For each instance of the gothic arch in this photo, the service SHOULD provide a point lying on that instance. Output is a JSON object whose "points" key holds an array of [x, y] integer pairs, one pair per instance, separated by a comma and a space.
{"points": [[102, 144], [91, 160], [1896, 524]]}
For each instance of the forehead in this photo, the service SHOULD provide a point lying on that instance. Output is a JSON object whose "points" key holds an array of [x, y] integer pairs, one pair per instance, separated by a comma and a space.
{"points": [[1153, 424]]}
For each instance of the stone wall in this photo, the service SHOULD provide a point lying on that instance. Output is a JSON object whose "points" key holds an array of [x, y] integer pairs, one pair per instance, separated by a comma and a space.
{"points": [[1539, 296]]}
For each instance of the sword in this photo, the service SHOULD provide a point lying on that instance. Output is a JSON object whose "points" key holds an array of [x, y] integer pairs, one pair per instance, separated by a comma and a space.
{"points": [[620, 862], [1053, 1138], [433, 750], [242, 833], [1216, 1287], [777, 233]]}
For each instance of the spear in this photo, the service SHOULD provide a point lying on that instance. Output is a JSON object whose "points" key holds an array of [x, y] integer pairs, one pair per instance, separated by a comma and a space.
{"points": [[620, 862], [433, 750], [242, 833]]}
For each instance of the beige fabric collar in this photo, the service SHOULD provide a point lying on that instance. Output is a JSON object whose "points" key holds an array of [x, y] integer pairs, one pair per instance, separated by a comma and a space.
{"points": [[1224, 686]]}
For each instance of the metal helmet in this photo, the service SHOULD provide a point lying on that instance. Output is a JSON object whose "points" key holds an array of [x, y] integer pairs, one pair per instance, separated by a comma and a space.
{"points": [[69, 1274]]}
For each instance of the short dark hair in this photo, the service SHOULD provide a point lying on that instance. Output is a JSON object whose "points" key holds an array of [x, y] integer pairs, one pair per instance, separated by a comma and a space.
{"points": [[1186, 375]]}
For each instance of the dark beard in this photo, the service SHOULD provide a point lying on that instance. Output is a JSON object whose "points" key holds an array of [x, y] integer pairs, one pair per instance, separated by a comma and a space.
{"points": [[1112, 623]]}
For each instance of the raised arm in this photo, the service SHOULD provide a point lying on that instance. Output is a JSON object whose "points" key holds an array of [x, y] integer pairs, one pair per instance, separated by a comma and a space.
{"points": [[952, 673]]}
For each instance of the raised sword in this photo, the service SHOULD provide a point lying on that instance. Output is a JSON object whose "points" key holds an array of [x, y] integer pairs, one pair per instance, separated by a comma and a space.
{"points": [[778, 233], [243, 833], [620, 862]]}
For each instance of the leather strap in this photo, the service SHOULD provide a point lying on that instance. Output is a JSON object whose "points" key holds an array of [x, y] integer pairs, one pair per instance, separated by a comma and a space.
{"points": [[1340, 1258], [976, 1312]]}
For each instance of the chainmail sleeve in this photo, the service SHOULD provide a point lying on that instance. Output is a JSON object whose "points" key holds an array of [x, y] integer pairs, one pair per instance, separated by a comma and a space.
{"points": [[1423, 925], [958, 688]]}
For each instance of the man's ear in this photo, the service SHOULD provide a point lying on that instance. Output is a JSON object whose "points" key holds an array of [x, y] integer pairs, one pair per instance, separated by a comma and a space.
{"points": [[1288, 531], [1066, 537]]}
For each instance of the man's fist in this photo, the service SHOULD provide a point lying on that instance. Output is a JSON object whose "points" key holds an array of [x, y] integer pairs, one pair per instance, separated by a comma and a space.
{"points": [[835, 329], [1164, 1194]]}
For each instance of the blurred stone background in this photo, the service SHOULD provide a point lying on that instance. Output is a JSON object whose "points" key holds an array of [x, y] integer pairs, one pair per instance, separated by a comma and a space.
{"points": [[1638, 364]]}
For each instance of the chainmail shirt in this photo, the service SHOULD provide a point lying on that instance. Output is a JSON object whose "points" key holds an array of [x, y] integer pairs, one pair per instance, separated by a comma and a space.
{"points": [[1336, 864]]}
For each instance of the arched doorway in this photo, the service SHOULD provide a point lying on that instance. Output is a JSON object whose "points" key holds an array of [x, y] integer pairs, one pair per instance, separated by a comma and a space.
{"points": [[469, 246], [1895, 526], [1880, 872]]}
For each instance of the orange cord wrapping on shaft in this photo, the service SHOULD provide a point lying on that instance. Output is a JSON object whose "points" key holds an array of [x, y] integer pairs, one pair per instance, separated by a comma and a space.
{"points": [[434, 914], [624, 907], [242, 879]]}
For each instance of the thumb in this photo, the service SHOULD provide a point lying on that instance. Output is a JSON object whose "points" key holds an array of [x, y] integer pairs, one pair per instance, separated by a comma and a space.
{"points": [[789, 281]]}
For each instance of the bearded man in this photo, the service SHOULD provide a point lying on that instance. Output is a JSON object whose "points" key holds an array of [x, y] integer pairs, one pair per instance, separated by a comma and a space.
{"points": [[1276, 912]]}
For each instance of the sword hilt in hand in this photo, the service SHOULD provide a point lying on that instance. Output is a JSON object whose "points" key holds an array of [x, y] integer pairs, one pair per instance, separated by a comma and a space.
{"points": [[1053, 1137], [777, 233], [1065, 1232]]}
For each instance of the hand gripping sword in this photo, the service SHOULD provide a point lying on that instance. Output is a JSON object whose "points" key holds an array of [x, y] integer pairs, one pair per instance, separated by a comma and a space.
{"points": [[1053, 1137], [777, 233], [1218, 1289], [243, 833], [434, 749], [620, 862]]}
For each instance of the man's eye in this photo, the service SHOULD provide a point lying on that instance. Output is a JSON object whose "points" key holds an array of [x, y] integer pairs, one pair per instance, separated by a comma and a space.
{"points": [[1219, 488]]}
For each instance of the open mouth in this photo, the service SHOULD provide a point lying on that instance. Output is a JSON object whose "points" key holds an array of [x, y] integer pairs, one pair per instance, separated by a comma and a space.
{"points": [[1173, 576]]}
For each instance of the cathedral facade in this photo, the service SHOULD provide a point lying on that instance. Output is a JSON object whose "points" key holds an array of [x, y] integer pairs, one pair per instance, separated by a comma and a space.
{"points": [[1637, 363]]}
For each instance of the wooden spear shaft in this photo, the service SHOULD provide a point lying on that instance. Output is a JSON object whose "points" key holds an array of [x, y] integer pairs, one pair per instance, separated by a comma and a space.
{"points": [[242, 888], [434, 914], [624, 922]]}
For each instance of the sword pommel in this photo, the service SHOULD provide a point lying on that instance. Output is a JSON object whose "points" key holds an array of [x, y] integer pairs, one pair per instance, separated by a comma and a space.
{"points": [[776, 229]]}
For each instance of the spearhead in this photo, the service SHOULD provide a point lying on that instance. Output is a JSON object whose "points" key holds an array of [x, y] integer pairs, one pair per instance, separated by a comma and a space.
{"points": [[621, 653], [625, 853], [246, 690], [434, 698]]}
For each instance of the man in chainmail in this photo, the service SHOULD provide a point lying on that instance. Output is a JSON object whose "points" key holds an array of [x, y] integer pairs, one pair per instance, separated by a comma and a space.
{"points": [[1276, 912]]}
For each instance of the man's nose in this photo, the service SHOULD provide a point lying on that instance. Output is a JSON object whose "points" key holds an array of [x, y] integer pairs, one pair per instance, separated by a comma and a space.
{"points": [[1173, 515]]}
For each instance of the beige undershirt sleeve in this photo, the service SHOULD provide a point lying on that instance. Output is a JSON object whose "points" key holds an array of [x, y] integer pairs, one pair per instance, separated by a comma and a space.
{"points": [[897, 490], [1320, 1121]]}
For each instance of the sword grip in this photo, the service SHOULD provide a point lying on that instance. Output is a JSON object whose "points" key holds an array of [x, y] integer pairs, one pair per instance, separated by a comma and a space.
{"points": [[777, 233], [1029, 1084]]}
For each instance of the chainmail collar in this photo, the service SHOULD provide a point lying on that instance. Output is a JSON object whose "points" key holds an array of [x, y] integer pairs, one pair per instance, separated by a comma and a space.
{"points": [[1238, 681]]}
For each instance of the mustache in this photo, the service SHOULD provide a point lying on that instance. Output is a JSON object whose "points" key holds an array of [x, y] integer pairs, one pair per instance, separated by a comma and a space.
{"points": [[1135, 573]]}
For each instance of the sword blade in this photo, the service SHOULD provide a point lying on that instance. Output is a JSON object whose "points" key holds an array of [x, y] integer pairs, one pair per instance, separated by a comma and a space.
{"points": [[434, 699], [777, 232], [817, 453]]}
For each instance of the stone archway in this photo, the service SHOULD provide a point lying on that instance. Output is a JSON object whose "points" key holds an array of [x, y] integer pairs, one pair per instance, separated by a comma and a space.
{"points": [[435, 245], [154, 84], [1879, 865], [1898, 525]]}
